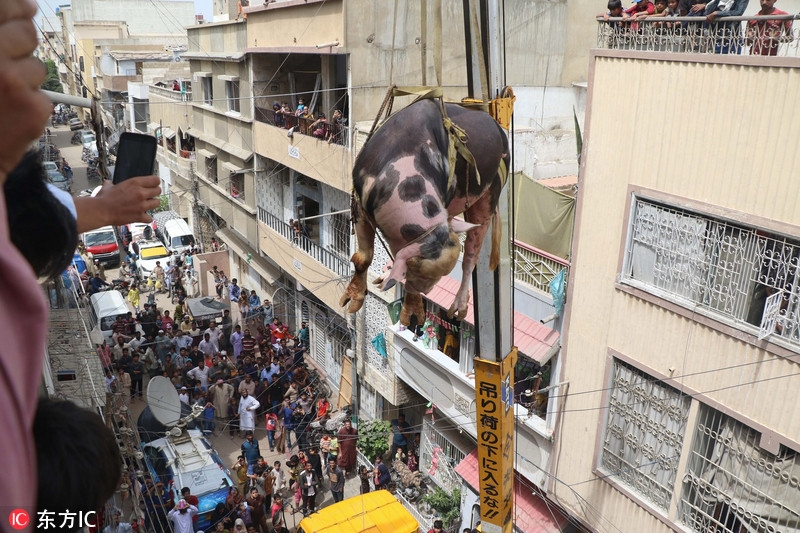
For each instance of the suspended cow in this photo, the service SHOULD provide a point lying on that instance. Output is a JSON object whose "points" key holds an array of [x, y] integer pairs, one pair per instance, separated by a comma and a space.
{"points": [[403, 186]]}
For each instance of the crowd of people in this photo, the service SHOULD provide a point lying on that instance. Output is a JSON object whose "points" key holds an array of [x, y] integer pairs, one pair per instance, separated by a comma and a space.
{"points": [[762, 36], [306, 122]]}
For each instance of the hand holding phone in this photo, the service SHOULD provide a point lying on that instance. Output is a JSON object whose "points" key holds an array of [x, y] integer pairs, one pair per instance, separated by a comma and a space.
{"points": [[136, 156]]}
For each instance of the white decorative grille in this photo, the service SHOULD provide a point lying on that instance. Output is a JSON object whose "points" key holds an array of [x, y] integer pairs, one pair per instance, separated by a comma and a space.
{"points": [[461, 403], [269, 193], [380, 258], [319, 340], [376, 320], [732, 485], [724, 268], [438, 457], [644, 434]]}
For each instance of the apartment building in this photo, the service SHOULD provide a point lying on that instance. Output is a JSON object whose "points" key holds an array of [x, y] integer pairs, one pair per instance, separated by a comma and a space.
{"points": [[680, 338]]}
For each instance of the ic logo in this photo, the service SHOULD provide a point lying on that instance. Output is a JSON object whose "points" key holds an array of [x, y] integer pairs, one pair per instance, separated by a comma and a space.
{"points": [[19, 519]]}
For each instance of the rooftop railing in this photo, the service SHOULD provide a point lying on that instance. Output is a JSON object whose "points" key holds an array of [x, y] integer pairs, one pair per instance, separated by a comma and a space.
{"points": [[771, 35]]}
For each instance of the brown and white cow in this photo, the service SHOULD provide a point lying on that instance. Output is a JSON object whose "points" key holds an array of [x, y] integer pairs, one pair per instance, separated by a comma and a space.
{"points": [[401, 185]]}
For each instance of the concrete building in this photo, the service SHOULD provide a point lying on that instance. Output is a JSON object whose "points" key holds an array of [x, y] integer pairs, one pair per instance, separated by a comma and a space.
{"points": [[681, 331]]}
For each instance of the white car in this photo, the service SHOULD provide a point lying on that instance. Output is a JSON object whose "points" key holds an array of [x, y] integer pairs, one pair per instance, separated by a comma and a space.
{"points": [[148, 253]]}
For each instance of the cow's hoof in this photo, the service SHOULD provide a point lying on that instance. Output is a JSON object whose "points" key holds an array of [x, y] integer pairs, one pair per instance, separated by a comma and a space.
{"points": [[353, 295], [458, 314], [412, 307]]}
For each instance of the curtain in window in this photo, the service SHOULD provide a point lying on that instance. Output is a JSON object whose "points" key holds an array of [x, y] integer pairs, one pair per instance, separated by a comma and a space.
{"points": [[759, 488], [668, 250], [644, 433]]}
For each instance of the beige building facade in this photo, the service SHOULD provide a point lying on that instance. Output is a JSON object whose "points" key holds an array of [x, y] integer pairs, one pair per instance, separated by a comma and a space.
{"points": [[681, 333]]}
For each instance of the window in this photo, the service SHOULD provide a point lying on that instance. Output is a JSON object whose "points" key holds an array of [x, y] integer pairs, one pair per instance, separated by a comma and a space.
{"points": [[232, 93], [726, 269], [237, 186], [208, 90], [644, 433], [211, 169], [732, 485], [80, 63]]}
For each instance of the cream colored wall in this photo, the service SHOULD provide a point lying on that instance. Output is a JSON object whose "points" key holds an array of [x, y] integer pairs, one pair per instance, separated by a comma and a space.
{"points": [[302, 267], [297, 26], [726, 139], [325, 162]]}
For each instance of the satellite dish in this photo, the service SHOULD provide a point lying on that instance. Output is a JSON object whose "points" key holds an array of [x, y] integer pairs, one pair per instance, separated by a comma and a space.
{"points": [[162, 398]]}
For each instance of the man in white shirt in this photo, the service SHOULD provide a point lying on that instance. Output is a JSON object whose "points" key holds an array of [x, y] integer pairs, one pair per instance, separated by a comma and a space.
{"points": [[116, 526], [214, 333], [184, 396], [181, 517], [247, 411], [207, 347], [200, 373]]}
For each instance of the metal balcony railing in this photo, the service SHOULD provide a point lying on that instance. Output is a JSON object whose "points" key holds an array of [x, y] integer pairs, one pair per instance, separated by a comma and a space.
{"points": [[331, 261], [333, 133], [536, 267], [771, 35]]}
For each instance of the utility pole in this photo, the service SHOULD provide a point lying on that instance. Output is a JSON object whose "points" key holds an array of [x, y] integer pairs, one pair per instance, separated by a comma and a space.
{"points": [[196, 208], [494, 308]]}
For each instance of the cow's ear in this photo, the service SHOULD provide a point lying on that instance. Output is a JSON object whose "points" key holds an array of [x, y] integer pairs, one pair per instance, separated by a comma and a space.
{"points": [[461, 226]]}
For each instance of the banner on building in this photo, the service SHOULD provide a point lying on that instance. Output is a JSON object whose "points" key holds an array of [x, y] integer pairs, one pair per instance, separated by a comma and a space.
{"points": [[494, 395]]}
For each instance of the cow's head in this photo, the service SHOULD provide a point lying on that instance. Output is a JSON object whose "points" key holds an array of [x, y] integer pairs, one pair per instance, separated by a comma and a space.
{"points": [[423, 263]]}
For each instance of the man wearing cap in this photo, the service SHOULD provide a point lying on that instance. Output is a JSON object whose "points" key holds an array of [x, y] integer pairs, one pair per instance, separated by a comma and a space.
{"points": [[184, 395], [180, 340], [221, 392], [116, 526], [181, 517]]}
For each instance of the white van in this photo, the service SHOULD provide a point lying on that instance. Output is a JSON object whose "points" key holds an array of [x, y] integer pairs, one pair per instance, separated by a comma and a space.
{"points": [[105, 307], [177, 236]]}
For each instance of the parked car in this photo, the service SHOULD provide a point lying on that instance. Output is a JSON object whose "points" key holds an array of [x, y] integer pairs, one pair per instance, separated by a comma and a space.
{"points": [[102, 244], [148, 253], [59, 180], [173, 231], [75, 124]]}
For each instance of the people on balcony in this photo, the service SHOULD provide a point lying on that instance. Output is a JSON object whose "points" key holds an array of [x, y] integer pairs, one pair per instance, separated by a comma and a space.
{"points": [[726, 39], [765, 35]]}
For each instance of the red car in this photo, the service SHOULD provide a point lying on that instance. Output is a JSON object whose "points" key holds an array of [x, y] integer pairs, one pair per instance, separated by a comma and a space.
{"points": [[102, 244]]}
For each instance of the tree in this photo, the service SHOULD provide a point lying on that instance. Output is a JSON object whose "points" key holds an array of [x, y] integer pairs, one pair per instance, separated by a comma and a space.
{"points": [[52, 82]]}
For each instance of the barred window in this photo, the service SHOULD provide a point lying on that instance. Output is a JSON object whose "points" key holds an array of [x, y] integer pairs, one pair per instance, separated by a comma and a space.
{"points": [[732, 485], [724, 268], [644, 433]]}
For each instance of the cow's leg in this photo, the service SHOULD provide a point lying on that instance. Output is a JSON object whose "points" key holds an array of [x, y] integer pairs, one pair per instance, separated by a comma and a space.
{"points": [[357, 289], [412, 307], [479, 213]]}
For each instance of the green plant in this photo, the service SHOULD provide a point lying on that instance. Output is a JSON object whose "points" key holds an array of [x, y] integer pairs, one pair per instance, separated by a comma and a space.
{"points": [[447, 505], [52, 82], [163, 204], [373, 437]]}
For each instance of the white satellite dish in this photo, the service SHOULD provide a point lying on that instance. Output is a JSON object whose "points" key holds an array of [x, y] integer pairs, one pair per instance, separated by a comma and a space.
{"points": [[163, 401]]}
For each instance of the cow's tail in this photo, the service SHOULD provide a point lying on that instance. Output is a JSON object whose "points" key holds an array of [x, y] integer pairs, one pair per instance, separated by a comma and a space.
{"points": [[497, 234]]}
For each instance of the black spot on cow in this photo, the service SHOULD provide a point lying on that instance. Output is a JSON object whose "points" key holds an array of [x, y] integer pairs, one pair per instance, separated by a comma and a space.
{"points": [[430, 206], [382, 190], [433, 169], [411, 231], [431, 247], [412, 188]]}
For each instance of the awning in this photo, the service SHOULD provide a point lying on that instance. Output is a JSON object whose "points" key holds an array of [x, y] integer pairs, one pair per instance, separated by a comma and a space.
{"points": [[532, 338], [232, 149], [533, 513], [208, 154], [153, 126], [233, 169], [241, 248], [167, 133]]}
